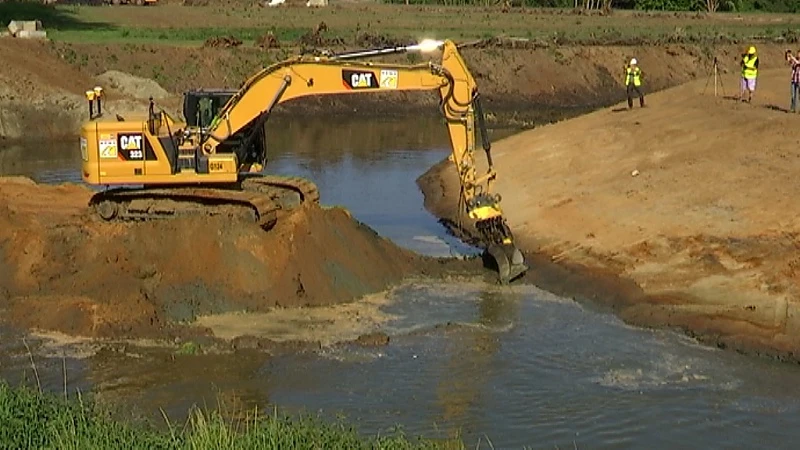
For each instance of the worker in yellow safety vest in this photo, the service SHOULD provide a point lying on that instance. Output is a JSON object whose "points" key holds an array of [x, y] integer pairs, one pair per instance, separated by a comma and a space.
{"points": [[749, 74], [633, 82]]}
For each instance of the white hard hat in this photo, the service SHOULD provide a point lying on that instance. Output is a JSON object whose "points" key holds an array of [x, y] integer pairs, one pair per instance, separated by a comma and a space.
{"points": [[633, 61]]}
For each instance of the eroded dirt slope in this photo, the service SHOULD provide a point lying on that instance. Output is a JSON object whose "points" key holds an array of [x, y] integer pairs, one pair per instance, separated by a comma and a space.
{"points": [[42, 95], [532, 74], [706, 229], [61, 270]]}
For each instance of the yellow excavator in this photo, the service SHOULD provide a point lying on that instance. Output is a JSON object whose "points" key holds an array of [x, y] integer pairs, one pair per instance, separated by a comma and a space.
{"points": [[212, 162]]}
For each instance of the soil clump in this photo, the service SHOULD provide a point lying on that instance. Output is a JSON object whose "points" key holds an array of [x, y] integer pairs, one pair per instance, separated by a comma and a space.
{"points": [[222, 42]]}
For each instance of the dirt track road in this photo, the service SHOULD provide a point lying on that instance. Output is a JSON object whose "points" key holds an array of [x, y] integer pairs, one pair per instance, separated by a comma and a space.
{"points": [[707, 229]]}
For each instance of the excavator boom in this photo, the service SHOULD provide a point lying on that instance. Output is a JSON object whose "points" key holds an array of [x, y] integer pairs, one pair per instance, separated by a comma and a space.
{"points": [[218, 146]]}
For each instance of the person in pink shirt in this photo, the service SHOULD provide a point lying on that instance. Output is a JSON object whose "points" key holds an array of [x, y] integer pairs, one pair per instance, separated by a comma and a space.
{"points": [[795, 63]]}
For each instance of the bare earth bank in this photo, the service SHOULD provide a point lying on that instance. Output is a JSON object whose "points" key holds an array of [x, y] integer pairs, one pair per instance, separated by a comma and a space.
{"points": [[681, 214]]}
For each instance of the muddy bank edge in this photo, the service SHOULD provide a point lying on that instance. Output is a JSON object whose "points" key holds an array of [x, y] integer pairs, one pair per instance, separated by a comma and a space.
{"points": [[755, 327]]}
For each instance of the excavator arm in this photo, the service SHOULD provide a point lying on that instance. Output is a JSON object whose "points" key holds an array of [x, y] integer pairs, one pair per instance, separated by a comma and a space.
{"points": [[177, 161], [344, 74]]}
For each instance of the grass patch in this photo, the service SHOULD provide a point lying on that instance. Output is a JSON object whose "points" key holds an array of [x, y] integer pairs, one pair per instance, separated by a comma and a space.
{"points": [[180, 25], [31, 419], [173, 23]]}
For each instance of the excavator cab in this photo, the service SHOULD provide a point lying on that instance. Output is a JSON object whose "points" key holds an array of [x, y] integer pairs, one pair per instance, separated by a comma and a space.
{"points": [[201, 106]]}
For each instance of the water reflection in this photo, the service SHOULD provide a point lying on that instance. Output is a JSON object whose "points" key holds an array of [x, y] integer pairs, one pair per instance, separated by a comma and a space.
{"points": [[471, 360], [42, 161]]}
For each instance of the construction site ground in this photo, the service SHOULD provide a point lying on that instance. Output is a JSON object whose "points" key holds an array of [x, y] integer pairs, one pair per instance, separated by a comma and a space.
{"points": [[701, 238], [63, 269], [680, 214]]}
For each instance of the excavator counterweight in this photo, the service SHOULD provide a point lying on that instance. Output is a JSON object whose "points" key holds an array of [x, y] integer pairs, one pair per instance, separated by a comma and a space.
{"points": [[211, 162]]}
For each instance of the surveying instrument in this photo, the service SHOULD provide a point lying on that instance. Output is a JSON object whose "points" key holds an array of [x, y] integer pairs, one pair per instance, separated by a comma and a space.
{"points": [[717, 79]]}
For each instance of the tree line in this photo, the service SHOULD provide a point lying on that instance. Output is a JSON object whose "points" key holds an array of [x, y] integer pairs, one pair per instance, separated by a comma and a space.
{"points": [[778, 6]]}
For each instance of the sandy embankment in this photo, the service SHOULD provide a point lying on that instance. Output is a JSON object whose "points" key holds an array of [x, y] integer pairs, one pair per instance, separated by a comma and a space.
{"points": [[704, 237]]}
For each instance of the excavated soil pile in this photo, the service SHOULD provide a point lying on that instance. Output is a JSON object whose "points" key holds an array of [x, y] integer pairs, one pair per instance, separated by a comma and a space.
{"points": [[133, 86], [691, 202], [62, 270]]}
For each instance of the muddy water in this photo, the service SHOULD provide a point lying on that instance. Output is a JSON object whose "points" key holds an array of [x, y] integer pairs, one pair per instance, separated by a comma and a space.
{"points": [[517, 365]]}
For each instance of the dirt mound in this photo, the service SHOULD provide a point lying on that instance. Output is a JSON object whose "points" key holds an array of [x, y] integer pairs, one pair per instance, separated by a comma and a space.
{"points": [[691, 198], [42, 96], [267, 40], [315, 38], [66, 272], [29, 66], [133, 86], [222, 42], [374, 40]]}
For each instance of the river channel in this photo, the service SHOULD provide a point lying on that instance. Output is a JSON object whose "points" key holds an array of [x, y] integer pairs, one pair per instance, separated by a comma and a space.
{"points": [[515, 365]]}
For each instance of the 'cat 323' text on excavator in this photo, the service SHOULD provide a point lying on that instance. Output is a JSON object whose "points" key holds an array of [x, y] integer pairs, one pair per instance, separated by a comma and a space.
{"points": [[212, 162]]}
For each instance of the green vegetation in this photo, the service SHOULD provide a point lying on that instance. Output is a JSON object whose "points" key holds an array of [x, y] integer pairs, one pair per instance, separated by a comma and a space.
{"points": [[177, 25], [778, 6], [31, 419]]}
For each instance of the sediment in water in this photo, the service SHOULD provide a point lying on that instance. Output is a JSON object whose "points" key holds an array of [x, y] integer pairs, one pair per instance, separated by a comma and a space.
{"points": [[62, 269]]}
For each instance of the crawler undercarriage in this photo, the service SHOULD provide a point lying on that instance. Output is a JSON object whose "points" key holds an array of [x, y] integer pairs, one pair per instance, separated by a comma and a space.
{"points": [[256, 198]]}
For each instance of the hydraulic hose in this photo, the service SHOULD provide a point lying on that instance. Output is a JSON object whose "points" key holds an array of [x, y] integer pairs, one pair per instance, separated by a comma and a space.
{"points": [[487, 145], [262, 119], [450, 88]]}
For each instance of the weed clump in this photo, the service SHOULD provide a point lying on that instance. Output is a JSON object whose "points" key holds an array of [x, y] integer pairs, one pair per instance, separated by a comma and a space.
{"points": [[32, 419]]}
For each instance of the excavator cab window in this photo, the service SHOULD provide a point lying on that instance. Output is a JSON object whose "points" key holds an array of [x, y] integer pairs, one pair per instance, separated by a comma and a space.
{"points": [[204, 112], [200, 107]]}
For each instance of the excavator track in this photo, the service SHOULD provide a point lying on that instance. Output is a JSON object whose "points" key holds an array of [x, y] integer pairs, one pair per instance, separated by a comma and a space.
{"points": [[283, 188], [258, 198]]}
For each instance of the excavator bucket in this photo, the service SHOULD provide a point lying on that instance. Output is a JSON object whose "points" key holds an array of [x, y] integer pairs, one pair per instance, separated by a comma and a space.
{"points": [[508, 260]]}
